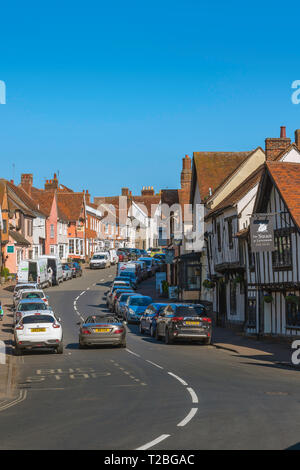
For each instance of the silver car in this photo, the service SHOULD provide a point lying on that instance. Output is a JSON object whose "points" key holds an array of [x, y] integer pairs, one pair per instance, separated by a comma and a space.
{"points": [[102, 329]]}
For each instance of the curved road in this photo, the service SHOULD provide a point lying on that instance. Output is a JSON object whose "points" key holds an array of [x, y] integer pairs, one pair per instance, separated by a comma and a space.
{"points": [[148, 396]]}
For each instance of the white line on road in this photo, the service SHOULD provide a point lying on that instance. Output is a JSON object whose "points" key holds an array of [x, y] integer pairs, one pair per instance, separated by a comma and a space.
{"points": [[137, 355], [22, 397], [188, 418], [153, 363], [178, 378], [193, 395], [153, 443]]}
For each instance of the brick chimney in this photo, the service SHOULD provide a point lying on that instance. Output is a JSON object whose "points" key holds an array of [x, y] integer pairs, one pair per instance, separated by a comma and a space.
{"points": [[26, 182], [51, 184], [147, 191], [87, 197], [186, 173], [274, 146], [125, 191], [297, 138]]}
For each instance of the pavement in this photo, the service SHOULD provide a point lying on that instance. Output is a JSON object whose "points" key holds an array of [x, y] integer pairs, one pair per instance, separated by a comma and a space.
{"points": [[7, 360], [267, 350]]}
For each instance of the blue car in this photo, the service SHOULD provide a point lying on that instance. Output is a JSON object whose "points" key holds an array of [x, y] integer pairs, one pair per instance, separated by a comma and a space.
{"points": [[148, 319], [135, 307]]}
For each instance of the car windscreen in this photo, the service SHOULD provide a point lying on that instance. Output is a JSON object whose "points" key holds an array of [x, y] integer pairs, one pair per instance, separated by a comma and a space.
{"points": [[124, 297], [101, 319], [32, 295], [191, 311], [37, 319], [119, 293], [24, 286], [140, 301], [32, 306], [148, 262], [98, 257]]}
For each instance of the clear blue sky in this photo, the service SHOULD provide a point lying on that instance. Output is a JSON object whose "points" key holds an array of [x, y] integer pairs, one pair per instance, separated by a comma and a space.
{"points": [[114, 94]]}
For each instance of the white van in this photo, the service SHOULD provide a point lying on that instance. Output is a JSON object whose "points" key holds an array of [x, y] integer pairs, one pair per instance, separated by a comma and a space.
{"points": [[101, 259], [54, 263], [33, 270], [113, 256]]}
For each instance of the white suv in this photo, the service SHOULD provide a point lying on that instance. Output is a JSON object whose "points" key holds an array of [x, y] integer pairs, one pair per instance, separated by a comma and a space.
{"points": [[38, 330]]}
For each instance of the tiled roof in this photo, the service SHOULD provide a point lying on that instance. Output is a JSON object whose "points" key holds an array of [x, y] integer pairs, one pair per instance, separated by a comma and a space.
{"points": [[16, 199], [18, 237], [213, 168], [43, 199], [287, 179], [241, 191], [70, 205]]}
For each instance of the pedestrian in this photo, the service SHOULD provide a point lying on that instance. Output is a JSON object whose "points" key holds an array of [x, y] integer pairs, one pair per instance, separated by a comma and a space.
{"points": [[50, 275]]}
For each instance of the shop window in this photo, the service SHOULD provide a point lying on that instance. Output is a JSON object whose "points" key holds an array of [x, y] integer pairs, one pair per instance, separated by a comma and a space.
{"points": [[292, 315]]}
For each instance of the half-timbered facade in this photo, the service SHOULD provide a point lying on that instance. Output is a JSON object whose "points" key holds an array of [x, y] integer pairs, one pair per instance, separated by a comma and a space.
{"points": [[274, 276]]}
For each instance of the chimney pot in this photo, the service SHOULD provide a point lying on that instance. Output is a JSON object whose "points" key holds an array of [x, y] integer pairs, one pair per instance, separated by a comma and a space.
{"points": [[283, 132]]}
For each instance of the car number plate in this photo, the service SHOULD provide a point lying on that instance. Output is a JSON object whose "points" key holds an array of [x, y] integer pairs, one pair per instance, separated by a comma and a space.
{"points": [[38, 330], [101, 330], [197, 323]]}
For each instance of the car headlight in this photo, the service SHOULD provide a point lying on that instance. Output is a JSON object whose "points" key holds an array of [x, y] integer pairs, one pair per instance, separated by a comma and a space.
{"points": [[132, 312]]}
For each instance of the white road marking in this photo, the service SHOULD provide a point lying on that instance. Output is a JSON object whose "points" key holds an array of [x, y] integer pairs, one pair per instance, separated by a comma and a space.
{"points": [[188, 418], [178, 378], [131, 352], [193, 395], [21, 397], [154, 442], [153, 363]]}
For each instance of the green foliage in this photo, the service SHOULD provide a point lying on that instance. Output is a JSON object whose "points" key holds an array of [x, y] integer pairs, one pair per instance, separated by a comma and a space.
{"points": [[208, 284], [5, 272]]}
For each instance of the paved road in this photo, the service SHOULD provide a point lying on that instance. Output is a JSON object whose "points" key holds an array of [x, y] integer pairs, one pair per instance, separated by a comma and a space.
{"points": [[150, 395]]}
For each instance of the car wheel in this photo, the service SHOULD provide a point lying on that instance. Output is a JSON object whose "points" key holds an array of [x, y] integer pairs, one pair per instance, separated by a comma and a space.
{"points": [[168, 339], [81, 345], [206, 341], [157, 336], [18, 351], [60, 349]]}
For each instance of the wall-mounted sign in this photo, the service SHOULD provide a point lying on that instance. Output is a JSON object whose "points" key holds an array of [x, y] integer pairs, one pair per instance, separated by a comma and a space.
{"points": [[10, 249], [262, 233]]}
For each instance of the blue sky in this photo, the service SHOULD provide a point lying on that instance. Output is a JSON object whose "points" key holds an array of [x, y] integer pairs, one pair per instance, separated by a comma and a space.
{"points": [[114, 94]]}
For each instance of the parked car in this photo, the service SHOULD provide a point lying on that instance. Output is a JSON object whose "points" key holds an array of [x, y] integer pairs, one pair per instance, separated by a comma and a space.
{"points": [[120, 303], [76, 268], [29, 305], [22, 286], [34, 294], [150, 265], [135, 307], [183, 321], [148, 319], [67, 272], [111, 292], [130, 275], [116, 296], [127, 279], [143, 271], [36, 331], [102, 329], [100, 260]]}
